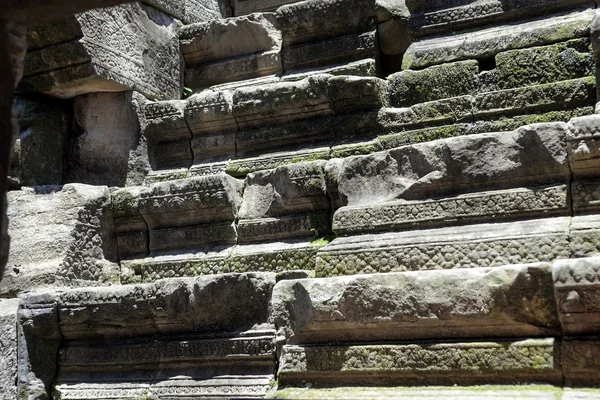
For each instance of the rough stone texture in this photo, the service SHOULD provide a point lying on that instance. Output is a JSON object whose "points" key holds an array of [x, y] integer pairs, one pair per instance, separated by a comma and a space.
{"points": [[529, 155], [407, 88], [8, 348], [231, 49], [39, 340], [102, 150], [471, 246], [580, 362], [512, 301], [583, 139], [190, 11], [475, 207], [43, 132], [244, 7], [424, 364], [430, 17], [488, 42], [577, 286], [181, 214], [76, 245], [132, 46], [289, 201]]}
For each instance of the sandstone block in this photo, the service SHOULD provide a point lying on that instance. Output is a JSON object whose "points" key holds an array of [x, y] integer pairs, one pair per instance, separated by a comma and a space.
{"points": [[424, 364], [104, 151], [126, 47], [484, 302], [168, 134], [242, 167], [527, 156], [407, 88], [583, 140], [433, 17], [293, 194], [577, 286], [231, 49], [63, 238], [580, 362], [8, 348], [470, 246], [488, 42], [244, 7], [190, 11]]}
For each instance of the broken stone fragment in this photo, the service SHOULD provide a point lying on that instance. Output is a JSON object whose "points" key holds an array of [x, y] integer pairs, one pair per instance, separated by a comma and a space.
{"points": [[126, 47]]}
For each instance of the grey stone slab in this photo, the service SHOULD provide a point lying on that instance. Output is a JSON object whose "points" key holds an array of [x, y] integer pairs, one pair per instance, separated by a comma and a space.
{"points": [[244, 7], [577, 284], [429, 18], [366, 67], [478, 303], [585, 196], [131, 46], [466, 208], [529, 155], [533, 360], [208, 304], [582, 143], [470, 246], [580, 365], [243, 166], [63, 238], [488, 42], [342, 49], [191, 11], [8, 348]]}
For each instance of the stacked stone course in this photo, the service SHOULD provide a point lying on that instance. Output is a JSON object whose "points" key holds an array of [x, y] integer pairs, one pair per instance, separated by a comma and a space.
{"points": [[314, 199]]}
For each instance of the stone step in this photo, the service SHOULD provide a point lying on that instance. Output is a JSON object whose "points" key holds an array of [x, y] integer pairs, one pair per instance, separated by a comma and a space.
{"points": [[428, 18], [487, 42], [175, 337], [472, 246]]}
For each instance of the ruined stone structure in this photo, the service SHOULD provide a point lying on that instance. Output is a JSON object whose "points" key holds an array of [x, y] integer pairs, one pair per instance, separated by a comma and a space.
{"points": [[316, 199]]}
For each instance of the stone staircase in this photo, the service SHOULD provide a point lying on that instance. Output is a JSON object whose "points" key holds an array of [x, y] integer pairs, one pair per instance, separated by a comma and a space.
{"points": [[316, 199]]}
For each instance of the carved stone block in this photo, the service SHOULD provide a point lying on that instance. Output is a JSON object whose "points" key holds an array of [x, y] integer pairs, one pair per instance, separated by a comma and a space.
{"points": [[126, 47], [580, 362], [293, 194], [471, 246], [528, 156], [75, 245], [231, 49], [422, 364], [583, 141], [484, 302], [190, 11], [488, 42]]}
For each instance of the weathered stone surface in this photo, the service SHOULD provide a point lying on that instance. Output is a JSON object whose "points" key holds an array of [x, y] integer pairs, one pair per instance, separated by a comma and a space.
{"points": [[543, 64], [585, 196], [341, 49], [244, 7], [577, 286], [580, 363], [194, 305], [62, 238], [168, 134], [504, 392], [471, 246], [366, 67], [231, 49], [429, 364], [8, 348], [527, 156], [191, 337], [434, 17], [39, 340], [43, 132], [407, 88], [243, 166], [490, 41], [484, 302], [293, 194], [190, 11], [210, 118], [473, 207], [125, 47], [107, 134], [583, 140]]}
